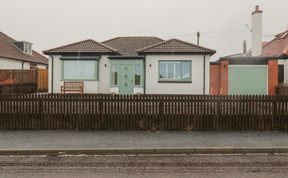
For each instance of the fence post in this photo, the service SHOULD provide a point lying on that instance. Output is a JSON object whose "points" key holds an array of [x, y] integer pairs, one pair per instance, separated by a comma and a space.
{"points": [[274, 110], [40, 106], [161, 107], [101, 108], [219, 108]]}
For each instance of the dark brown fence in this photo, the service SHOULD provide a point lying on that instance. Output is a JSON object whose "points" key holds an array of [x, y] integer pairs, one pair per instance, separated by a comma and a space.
{"points": [[23, 81], [144, 112]]}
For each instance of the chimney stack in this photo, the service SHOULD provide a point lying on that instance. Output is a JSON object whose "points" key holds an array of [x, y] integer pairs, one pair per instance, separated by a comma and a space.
{"points": [[257, 32], [244, 47]]}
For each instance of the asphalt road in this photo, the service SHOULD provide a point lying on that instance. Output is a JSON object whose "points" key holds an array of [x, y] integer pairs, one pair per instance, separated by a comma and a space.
{"points": [[261, 165]]}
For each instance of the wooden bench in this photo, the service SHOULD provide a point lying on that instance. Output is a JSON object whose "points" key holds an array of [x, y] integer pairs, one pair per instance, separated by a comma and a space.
{"points": [[72, 87]]}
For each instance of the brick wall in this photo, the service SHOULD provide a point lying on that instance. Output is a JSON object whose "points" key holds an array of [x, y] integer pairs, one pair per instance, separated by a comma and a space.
{"points": [[224, 77], [272, 76], [214, 79], [219, 77]]}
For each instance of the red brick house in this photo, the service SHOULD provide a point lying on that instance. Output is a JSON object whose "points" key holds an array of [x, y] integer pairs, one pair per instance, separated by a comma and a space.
{"points": [[258, 71], [274, 56]]}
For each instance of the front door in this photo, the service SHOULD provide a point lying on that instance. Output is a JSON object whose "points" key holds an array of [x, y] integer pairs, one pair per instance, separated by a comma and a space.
{"points": [[126, 79]]}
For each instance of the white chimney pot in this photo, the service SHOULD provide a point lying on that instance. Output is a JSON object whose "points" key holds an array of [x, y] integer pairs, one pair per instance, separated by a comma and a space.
{"points": [[257, 32]]}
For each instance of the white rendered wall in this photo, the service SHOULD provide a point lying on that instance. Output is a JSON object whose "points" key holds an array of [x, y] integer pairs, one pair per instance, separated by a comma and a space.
{"points": [[50, 74], [104, 75], [196, 87], [26, 65], [89, 86], [114, 90], [41, 66], [138, 90], [13, 64]]}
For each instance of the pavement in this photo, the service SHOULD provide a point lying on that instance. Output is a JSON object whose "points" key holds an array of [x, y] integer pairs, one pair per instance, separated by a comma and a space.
{"points": [[101, 140]]}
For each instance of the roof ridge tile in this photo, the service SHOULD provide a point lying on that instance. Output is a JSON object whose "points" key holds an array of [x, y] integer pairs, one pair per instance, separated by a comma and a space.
{"points": [[56, 50]]}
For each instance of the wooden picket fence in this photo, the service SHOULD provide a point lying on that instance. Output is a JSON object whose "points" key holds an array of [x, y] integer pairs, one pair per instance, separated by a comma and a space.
{"points": [[19, 81], [144, 112]]}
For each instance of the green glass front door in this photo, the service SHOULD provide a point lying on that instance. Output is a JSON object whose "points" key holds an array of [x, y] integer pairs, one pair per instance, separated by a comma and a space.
{"points": [[126, 79]]}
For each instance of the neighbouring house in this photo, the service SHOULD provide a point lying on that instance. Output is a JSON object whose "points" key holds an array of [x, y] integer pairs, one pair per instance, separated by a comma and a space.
{"points": [[257, 71], [19, 55], [131, 65]]}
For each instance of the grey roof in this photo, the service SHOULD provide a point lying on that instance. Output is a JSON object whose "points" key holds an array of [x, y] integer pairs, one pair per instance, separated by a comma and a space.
{"points": [[86, 46], [129, 46], [250, 60], [176, 46]]}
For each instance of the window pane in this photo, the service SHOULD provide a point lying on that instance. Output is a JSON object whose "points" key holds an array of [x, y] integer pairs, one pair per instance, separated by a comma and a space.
{"points": [[186, 70], [26, 48], [137, 74], [75, 70], [177, 71], [162, 73], [170, 70], [114, 74]]}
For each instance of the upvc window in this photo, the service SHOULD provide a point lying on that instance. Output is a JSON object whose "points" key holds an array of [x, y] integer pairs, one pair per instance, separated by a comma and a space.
{"points": [[137, 76], [175, 71], [80, 70], [114, 78], [27, 48]]}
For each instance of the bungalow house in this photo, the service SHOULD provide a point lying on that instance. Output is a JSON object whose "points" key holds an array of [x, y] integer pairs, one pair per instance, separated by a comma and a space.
{"points": [[257, 71], [131, 65], [19, 55]]}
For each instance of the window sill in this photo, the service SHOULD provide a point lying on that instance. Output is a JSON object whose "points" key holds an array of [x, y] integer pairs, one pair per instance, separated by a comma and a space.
{"points": [[175, 81], [84, 80]]}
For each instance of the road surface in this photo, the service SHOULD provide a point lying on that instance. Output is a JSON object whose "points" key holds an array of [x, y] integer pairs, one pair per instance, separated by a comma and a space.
{"points": [[168, 166]]}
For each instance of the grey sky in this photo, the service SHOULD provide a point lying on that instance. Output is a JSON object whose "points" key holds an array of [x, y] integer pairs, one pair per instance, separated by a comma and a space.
{"points": [[50, 23]]}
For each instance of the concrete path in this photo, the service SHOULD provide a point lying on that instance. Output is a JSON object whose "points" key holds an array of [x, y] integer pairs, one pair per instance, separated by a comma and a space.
{"points": [[37, 140]]}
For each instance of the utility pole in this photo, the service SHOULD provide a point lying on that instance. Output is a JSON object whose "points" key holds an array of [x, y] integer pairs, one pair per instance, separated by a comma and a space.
{"points": [[198, 38]]}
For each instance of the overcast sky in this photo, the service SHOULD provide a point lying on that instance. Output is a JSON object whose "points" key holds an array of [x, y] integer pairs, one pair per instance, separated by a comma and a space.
{"points": [[50, 23]]}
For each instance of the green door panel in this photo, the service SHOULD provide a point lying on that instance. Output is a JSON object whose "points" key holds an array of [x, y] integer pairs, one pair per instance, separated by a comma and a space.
{"points": [[247, 80], [126, 79], [127, 75]]}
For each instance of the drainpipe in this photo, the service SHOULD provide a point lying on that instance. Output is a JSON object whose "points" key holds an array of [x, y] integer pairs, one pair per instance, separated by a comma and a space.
{"points": [[144, 84], [204, 74], [23, 64], [52, 75]]}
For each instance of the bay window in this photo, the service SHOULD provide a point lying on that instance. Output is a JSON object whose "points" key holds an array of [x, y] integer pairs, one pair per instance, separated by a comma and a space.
{"points": [[175, 71], [80, 70]]}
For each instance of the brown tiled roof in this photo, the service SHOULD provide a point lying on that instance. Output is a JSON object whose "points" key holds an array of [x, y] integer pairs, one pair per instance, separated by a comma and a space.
{"points": [[276, 47], [129, 45], [176, 46], [9, 50], [285, 52], [86, 46]]}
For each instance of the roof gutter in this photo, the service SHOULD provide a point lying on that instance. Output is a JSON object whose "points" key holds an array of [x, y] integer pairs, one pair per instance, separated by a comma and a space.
{"points": [[52, 74], [126, 57]]}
